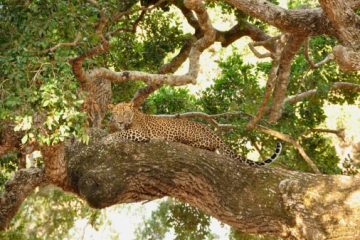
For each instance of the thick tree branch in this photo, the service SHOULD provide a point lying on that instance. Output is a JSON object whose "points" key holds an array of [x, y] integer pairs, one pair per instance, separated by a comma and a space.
{"points": [[16, 190], [283, 75], [344, 20], [297, 21], [148, 78], [242, 29], [347, 58], [346, 23], [255, 200]]}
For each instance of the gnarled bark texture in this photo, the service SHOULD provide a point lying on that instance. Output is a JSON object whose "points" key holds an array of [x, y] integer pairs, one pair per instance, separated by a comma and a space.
{"points": [[257, 200]]}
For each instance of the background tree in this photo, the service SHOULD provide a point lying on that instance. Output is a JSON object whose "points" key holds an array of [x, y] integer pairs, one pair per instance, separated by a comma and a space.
{"points": [[62, 63]]}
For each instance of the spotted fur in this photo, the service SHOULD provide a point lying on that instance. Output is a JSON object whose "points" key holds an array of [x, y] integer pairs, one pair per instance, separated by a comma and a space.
{"points": [[137, 126]]}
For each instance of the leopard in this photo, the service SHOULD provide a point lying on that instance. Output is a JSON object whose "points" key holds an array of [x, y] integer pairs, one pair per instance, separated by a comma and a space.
{"points": [[132, 124]]}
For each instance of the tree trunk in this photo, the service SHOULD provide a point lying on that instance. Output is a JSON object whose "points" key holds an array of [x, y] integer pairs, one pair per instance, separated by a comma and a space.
{"points": [[255, 200]]}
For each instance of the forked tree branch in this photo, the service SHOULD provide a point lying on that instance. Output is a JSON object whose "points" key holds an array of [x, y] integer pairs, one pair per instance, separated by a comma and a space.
{"points": [[272, 78], [277, 44], [155, 80], [224, 37], [311, 62], [242, 29]]}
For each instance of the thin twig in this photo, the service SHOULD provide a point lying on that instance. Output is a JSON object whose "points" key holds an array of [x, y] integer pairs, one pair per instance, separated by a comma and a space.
{"points": [[353, 87], [65, 44], [314, 65]]}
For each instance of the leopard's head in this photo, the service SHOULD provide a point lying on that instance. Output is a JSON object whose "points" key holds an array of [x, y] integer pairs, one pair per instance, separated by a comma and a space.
{"points": [[122, 115]]}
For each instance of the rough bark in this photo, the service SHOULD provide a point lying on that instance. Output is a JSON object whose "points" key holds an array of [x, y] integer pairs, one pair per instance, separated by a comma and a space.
{"points": [[346, 24], [296, 21], [16, 190], [343, 19], [256, 200], [283, 75]]}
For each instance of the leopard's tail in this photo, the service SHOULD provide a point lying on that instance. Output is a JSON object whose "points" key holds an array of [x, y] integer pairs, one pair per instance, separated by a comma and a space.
{"points": [[229, 152]]}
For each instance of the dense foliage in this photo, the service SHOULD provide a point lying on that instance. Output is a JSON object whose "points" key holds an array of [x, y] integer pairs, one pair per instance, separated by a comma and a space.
{"points": [[40, 95]]}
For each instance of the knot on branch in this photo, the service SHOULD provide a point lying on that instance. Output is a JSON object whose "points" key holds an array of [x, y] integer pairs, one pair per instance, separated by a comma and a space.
{"points": [[347, 58]]}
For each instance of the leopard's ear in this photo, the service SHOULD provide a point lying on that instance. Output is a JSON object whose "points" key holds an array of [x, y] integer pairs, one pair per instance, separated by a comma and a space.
{"points": [[110, 106]]}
